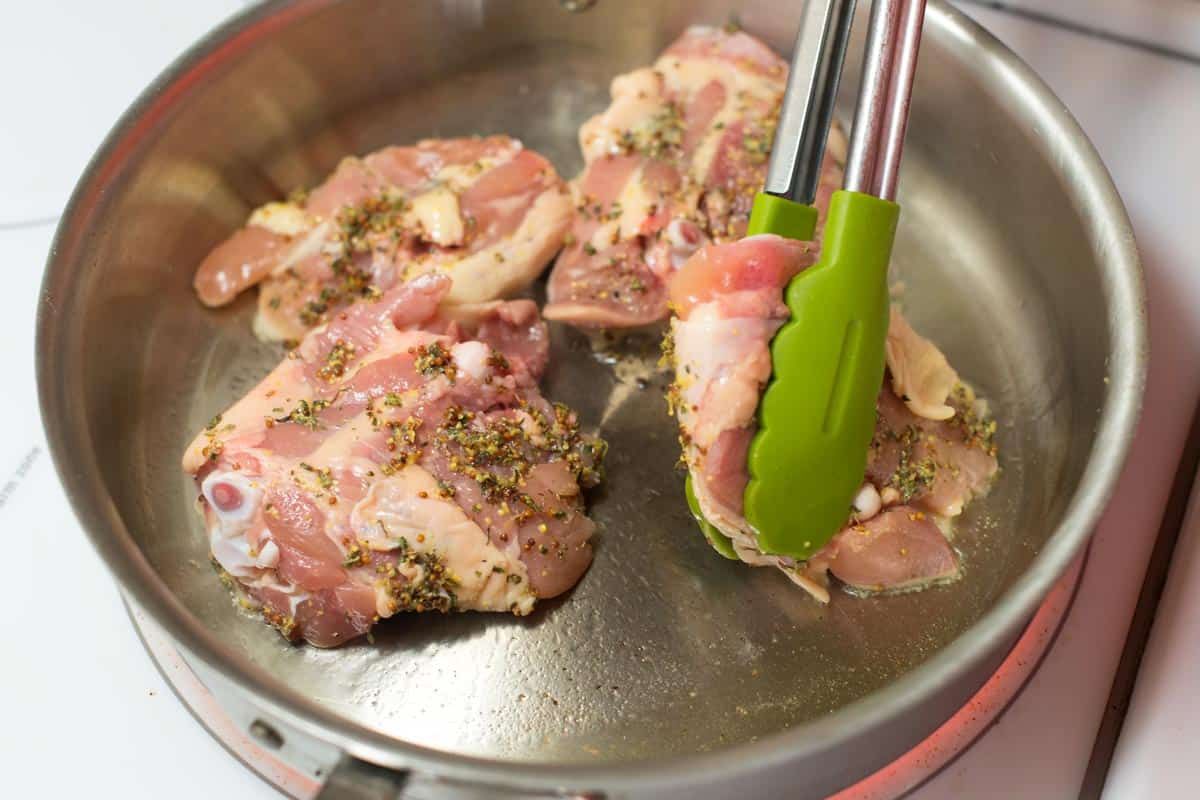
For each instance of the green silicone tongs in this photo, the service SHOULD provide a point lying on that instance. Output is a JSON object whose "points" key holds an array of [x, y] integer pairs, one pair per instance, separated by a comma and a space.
{"points": [[817, 414]]}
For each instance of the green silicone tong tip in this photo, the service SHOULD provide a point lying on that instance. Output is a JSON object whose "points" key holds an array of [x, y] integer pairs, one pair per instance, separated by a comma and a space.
{"points": [[817, 414]]}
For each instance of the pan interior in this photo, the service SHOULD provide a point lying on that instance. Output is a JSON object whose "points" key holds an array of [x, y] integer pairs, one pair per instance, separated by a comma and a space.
{"points": [[664, 648]]}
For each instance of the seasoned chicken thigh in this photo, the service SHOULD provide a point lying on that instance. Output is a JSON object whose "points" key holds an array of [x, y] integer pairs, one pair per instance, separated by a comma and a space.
{"points": [[484, 211], [399, 459], [671, 165], [932, 451]]}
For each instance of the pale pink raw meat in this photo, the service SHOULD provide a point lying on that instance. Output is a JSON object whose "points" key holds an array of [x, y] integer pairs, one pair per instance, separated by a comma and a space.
{"points": [[485, 211], [672, 164], [729, 302], [901, 548], [514, 327], [956, 453], [242, 260], [398, 460], [728, 299]]}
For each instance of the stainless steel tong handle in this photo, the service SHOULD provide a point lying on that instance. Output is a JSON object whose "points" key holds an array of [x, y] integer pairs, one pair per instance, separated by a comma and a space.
{"points": [[889, 64], [877, 136], [795, 167]]}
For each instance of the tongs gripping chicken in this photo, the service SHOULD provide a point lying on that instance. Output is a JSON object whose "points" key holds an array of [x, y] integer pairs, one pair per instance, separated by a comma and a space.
{"points": [[817, 414]]}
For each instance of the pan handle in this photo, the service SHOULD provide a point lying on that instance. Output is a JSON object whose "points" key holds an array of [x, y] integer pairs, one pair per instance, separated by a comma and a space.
{"points": [[355, 779], [345, 776]]}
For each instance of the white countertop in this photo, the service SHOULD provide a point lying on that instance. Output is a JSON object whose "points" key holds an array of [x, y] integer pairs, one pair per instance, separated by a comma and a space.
{"points": [[89, 685], [1156, 754]]}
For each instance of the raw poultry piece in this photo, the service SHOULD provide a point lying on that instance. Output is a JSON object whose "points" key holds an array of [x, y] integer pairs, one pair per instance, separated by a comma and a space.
{"points": [[399, 459], [485, 211], [932, 451], [671, 165]]}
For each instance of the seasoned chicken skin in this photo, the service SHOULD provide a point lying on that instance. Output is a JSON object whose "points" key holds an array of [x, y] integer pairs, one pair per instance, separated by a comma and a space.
{"points": [[930, 453], [484, 211], [399, 459], [672, 165]]}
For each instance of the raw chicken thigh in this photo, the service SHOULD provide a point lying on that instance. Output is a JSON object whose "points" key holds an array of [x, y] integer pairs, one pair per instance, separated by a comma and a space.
{"points": [[932, 449], [485, 211], [399, 459], [671, 165]]}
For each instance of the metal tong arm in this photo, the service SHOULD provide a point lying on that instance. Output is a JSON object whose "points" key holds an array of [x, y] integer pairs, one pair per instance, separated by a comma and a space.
{"points": [[889, 63], [876, 141], [795, 167]]}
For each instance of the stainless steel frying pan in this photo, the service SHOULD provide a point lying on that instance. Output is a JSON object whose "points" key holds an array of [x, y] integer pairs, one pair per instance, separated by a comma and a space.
{"points": [[668, 672]]}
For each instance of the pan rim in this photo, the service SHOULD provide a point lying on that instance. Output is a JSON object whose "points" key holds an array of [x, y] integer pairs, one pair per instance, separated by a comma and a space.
{"points": [[996, 67]]}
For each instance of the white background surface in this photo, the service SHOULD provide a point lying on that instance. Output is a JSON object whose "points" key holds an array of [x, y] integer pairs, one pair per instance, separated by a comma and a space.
{"points": [[1172, 24], [1156, 754], [80, 682]]}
